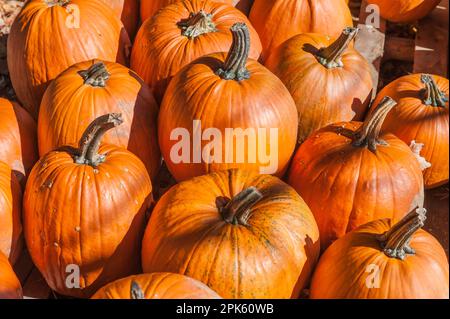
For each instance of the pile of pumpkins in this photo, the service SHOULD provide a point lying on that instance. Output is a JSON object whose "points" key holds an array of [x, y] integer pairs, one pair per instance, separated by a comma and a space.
{"points": [[342, 214]]}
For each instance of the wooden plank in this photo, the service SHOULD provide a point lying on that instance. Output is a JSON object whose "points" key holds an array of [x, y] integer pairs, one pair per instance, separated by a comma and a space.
{"points": [[437, 205], [397, 48]]}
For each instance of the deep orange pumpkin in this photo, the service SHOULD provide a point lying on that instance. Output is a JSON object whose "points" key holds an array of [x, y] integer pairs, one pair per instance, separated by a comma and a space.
{"points": [[349, 174], [10, 287], [86, 208], [89, 89], [128, 12], [381, 260], [244, 235], [329, 82], [404, 10], [278, 20], [47, 37], [18, 141], [422, 115], [156, 286], [181, 33]]}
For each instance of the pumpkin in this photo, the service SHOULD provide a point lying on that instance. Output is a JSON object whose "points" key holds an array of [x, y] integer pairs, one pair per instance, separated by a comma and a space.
{"points": [[383, 260], [349, 174], [10, 214], [128, 12], [84, 212], [89, 89], [243, 109], [329, 81], [243, 234], [181, 33], [10, 287], [279, 20], [18, 142], [156, 286], [404, 10], [49, 36], [422, 116]]}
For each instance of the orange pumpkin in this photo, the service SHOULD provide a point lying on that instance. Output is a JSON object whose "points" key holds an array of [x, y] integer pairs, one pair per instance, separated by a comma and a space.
{"points": [[422, 116], [84, 212], [329, 82], [381, 260], [156, 286], [279, 20], [349, 174], [11, 240], [404, 10], [49, 36], [243, 109], [244, 235], [10, 287], [181, 33], [18, 142], [89, 89], [128, 12]]}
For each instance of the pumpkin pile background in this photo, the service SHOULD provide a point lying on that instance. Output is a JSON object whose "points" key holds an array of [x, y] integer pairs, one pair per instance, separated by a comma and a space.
{"points": [[93, 90]]}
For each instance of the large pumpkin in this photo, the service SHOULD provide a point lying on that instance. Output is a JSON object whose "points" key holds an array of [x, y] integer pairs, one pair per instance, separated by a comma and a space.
{"points": [[404, 10], [128, 12], [278, 20], [10, 287], [244, 110], [156, 286], [383, 260], [181, 33], [18, 141], [244, 235], [89, 89], [329, 82], [49, 36], [11, 240], [422, 116], [84, 213], [349, 174]]}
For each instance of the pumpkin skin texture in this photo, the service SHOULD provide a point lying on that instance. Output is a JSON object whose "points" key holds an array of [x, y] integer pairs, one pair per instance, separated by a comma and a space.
{"points": [[278, 20], [268, 251], [404, 10], [128, 12], [11, 240], [86, 209], [344, 269], [162, 48], [347, 184], [119, 90], [326, 91], [18, 139], [10, 287], [244, 95], [41, 46], [156, 286], [414, 119]]}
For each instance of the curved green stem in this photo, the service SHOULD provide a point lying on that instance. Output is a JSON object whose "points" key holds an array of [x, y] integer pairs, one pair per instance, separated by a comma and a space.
{"points": [[197, 24], [237, 210], [331, 56], [96, 75], [431, 94]]}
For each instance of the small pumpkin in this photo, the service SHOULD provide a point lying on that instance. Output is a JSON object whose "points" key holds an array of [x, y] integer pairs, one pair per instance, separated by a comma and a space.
{"points": [[11, 240], [156, 286], [10, 287], [279, 20], [84, 212], [383, 260], [349, 174], [422, 116], [329, 81], [181, 33], [18, 141], [404, 10], [128, 12], [244, 235], [227, 93], [90, 89], [48, 36]]}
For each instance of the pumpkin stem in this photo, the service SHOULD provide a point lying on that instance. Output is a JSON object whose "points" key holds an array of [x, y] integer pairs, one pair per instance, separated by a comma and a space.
{"points": [[90, 141], [96, 75], [368, 134], [197, 24], [136, 291], [431, 94], [331, 56], [237, 210], [396, 241], [52, 3], [234, 67]]}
